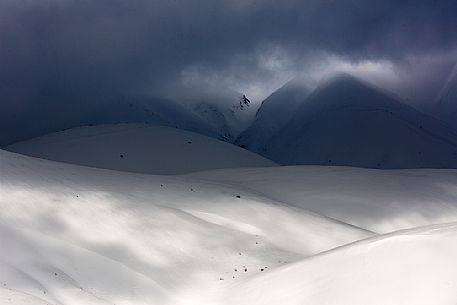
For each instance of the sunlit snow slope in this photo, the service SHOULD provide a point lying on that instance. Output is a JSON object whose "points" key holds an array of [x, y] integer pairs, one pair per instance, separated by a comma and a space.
{"points": [[139, 148], [78, 235], [378, 200], [408, 267], [74, 235]]}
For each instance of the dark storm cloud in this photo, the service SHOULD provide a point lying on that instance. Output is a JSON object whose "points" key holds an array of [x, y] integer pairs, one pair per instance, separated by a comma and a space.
{"points": [[62, 53]]}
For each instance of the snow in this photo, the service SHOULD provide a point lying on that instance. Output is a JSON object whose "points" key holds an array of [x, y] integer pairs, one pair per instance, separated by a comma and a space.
{"points": [[79, 235], [409, 267], [222, 110], [140, 148], [348, 122], [240, 230], [377, 200]]}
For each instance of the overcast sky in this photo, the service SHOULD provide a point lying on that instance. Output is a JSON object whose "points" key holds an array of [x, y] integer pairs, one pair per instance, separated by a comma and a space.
{"points": [[93, 50]]}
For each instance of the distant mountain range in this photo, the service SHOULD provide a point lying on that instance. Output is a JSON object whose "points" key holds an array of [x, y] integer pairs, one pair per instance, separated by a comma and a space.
{"points": [[215, 116], [274, 113], [346, 121]]}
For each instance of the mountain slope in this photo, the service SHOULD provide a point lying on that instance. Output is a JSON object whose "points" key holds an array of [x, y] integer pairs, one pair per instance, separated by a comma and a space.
{"points": [[415, 267], [348, 122], [273, 114], [139, 148], [226, 111], [79, 235], [446, 104], [381, 201]]}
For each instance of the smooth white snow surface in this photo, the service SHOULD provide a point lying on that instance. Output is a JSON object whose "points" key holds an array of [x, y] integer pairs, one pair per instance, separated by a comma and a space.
{"points": [[411, 267], [78, 235], [140, 148], [378, 200]]}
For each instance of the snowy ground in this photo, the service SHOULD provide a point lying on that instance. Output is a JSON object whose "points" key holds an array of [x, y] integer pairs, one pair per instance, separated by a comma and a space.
{"points": [[267, 235], [78, 235], [378, 200]]}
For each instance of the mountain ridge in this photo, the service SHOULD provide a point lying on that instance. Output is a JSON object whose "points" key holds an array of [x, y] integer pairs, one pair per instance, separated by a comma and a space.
{"points": [[349, 122]]}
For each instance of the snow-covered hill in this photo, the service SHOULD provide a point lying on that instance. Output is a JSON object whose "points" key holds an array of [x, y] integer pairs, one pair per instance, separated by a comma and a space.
{"points": [[53, 117], [240, 230], [139, 148], [273, 114], [348, 122], [78, 235], [407, 267], [378, 200]]}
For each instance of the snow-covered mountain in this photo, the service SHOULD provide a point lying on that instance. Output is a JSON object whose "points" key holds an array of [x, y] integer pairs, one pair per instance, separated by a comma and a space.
{"points": [[222, 116], [348, 122], [274, 112], [168, 216], [228, 112], [155, 111], [446, 105], [140, 148]]}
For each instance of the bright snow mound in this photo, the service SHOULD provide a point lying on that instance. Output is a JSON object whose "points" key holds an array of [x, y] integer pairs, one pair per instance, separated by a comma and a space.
{"points": [[140, 148], [415, 267]]}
